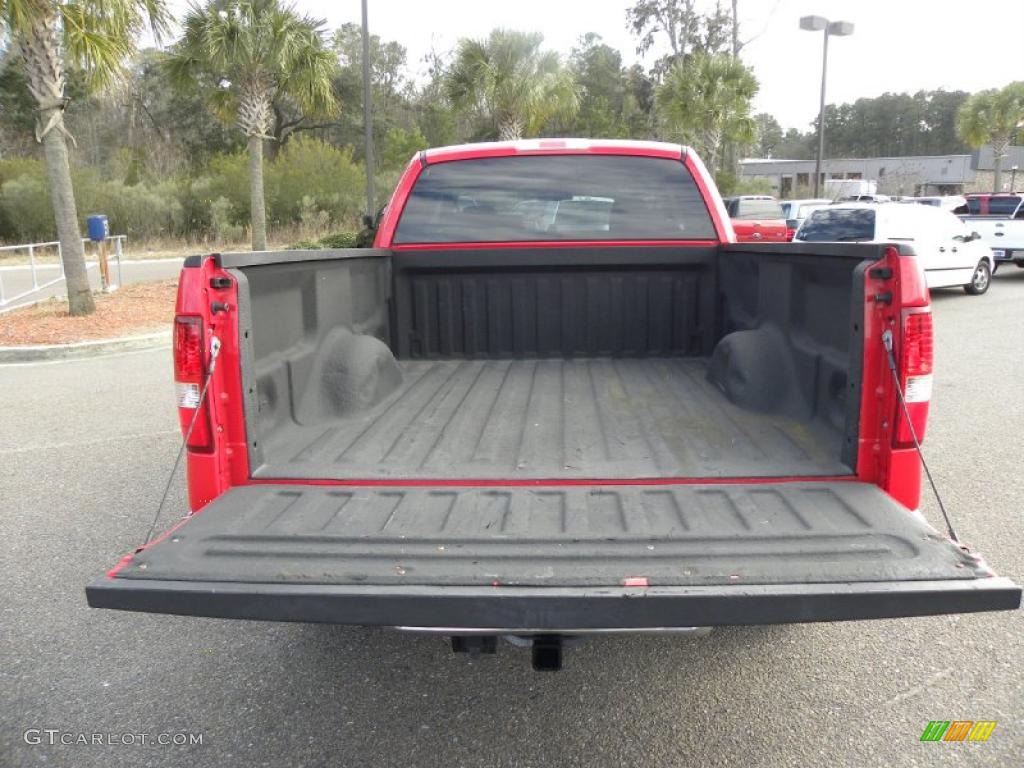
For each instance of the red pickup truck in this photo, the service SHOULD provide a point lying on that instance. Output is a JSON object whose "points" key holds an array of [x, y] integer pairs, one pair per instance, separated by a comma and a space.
{"points": [[758, 219], [609, 418]]}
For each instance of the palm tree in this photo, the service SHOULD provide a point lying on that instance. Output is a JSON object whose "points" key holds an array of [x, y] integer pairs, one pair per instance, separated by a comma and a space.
{"points": [[993, 117], [244, 54], [705, 101], [49, 36], [509, 80]]}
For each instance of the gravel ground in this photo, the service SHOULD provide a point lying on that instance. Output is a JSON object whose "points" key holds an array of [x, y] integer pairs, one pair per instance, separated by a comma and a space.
{"points": [[85, 449], [128, 311]]}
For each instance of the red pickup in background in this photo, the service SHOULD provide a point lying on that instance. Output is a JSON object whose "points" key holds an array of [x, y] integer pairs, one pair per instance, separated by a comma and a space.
{"points": [[758, 219]]}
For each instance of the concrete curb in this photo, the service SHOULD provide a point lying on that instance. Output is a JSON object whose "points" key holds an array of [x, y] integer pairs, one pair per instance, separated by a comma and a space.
{"points": [[83, 349]]}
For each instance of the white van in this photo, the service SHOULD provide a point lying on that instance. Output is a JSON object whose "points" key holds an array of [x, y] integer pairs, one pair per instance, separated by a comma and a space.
{"points": [[950, 253]]}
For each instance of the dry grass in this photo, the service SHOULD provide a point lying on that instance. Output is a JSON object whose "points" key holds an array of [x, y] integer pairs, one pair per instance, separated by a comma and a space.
{"points": [[129, 311]]}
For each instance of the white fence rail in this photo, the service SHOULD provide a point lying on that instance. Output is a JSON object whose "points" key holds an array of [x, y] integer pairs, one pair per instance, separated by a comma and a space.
{"points": [[42, 274]]}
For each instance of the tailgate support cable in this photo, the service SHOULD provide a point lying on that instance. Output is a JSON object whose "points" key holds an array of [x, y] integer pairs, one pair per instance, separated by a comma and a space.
{"points": [[887, 341], [214, 351]]}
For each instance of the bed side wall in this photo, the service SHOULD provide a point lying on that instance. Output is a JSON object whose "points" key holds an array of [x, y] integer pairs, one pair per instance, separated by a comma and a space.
{"points": [[803, 314], [297, 321]]}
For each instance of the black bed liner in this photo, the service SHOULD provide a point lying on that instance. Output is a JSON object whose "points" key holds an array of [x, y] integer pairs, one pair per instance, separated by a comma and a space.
{"points": [[605, 418], [555, 557]]}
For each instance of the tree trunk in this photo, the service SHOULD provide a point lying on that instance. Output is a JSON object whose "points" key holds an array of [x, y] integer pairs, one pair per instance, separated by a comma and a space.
{"points": [[510, 128], [712, 144], [40, 49], [999, 146], [255, 118], [257, 205], [65, 213]]}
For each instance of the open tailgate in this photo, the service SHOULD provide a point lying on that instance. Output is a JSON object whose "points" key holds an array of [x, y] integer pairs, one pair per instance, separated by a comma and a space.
{"points": [[555, 558]]}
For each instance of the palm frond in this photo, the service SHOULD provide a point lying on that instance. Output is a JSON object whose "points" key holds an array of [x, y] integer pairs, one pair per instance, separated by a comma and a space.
{"points": [[230, 44], [470, 76], [705, 99], [508, 78], [992, 116], [99, 35], [309, 79], [19, 15], [97, 43]]}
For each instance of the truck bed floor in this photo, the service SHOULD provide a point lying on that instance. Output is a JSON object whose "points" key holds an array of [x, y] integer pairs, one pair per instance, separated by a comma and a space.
{"points": [[584, 418]]}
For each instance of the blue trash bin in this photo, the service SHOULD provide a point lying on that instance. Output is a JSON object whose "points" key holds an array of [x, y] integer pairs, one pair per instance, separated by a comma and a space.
{"points": [[99, 228]]}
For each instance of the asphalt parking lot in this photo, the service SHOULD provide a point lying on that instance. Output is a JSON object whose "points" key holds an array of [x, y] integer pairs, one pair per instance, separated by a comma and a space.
{"points": [[18, 279], [84, 451]]}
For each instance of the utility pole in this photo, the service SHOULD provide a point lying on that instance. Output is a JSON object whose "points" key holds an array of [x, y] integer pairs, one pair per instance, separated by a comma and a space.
{"points": [[368, 117], [735, 30]]}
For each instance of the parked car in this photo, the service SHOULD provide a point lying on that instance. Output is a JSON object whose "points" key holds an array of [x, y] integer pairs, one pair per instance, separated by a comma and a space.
{"points": [[951, 203], [949, 252], [864, 199], [999, 219], [477, 428], [757, 219], [994, 204], [839, 188], [796, 211]]}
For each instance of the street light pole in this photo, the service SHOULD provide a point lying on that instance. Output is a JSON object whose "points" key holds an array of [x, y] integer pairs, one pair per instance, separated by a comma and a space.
{"points": [[821, 115], [1013, 177], [841, 29]]}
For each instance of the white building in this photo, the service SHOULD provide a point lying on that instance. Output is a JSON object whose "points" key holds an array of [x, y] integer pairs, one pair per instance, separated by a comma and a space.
{"points": [[924, 175]]}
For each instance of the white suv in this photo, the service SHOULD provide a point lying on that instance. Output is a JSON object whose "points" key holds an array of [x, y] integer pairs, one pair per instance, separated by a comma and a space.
{"points": [[950, 253]]}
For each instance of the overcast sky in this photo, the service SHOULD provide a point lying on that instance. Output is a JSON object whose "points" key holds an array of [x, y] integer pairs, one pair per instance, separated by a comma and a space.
{"points": [[898, 45]]}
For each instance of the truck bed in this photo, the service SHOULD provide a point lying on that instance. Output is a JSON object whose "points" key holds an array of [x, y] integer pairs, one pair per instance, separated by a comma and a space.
{"points": [[524, 437], [552, 418]]}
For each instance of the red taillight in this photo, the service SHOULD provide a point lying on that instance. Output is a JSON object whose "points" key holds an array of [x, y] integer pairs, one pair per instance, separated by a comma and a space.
{"points": [[188, 349], [915, 368], [917, 344], [189, 374]]}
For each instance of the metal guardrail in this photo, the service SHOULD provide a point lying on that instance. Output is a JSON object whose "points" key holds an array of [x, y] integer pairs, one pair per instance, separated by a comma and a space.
{"points": [[42, 282]]}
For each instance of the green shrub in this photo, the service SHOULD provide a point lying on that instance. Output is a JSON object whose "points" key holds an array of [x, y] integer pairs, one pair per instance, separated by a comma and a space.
{"points": [[309, 184], [399, 146], [220, 222], [313, 219], [307, 167], [228, 177], [334, 240], [14, 167], [27, 210], [138, 210], [340, 240]]}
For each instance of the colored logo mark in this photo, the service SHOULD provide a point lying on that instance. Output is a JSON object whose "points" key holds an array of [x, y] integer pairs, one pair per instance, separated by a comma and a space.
{"points": [[958, 730]]}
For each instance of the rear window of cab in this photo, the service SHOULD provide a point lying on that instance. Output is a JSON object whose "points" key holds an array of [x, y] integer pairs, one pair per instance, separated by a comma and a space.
{"points": [[838, 224], [562, 197], [750, 210]]}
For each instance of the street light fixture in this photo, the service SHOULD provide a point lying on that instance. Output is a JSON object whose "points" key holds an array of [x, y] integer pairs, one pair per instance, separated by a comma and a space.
{"points": [[840, 29]]}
